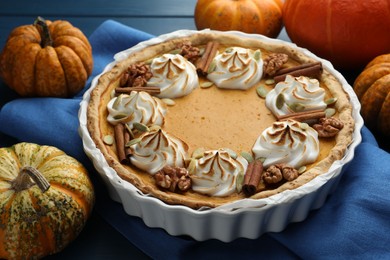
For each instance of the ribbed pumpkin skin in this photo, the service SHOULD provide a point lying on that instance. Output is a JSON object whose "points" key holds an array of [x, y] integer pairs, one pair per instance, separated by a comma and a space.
{"points": [[249, 16], [34, 224], [349, 33], [58, 70], [372, 87]]}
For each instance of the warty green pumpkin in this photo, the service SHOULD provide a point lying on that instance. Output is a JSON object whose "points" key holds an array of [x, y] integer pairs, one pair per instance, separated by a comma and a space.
{"points": [[46, 198]]}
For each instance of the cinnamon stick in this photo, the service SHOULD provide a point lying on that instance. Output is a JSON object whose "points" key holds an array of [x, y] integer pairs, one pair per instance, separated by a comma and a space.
{"points": [[312, 70], [203, 64], [252, 177], [303, 116], [127, 90], [127, 138], [120, 142]]}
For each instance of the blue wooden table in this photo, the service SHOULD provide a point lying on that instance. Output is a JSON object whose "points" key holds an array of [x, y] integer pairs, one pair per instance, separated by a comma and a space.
{"points": [[98, 240]]}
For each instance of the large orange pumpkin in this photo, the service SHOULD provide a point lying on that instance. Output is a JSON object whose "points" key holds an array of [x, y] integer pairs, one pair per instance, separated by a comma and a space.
{"points": [[349, 33], [250, 16], [46, 198], [46, 59]]}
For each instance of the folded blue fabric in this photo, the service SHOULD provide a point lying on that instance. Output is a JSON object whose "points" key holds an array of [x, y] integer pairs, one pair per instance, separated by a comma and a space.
{"points": [[354, 222]]}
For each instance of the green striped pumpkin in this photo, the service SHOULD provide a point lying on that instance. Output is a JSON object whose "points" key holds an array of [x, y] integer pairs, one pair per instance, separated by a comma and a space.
{"points": [[46, 198]]}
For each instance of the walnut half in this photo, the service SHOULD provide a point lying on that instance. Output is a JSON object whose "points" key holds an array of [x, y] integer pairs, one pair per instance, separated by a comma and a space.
{"points": [[274, 62], [136, 75], [328, 127], [188, 51], [278, 172], [173, 179]]}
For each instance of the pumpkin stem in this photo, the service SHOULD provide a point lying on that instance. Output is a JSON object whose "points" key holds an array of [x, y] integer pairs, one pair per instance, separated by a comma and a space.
{"points": [[43, 30], [28, 176]]}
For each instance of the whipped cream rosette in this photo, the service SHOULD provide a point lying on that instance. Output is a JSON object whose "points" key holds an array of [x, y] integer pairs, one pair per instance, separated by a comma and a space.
{"points": [[237, 68], [174, 75], [157, 149], [215, 173], [295, 94], [289, 142], [137, 107]]}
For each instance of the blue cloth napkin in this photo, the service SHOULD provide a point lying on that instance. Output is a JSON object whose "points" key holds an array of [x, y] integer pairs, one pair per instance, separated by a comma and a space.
{"points": [[353, 223]]}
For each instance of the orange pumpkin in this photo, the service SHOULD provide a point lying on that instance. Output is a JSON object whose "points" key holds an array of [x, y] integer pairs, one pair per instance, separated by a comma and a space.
{"points": [[372, 87], [46, 198], [46, 59], [349, 33], [250, 16]]}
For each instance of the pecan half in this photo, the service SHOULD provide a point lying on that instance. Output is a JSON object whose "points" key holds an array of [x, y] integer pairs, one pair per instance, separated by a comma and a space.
{"points": [[173, 179], [328, 127]]}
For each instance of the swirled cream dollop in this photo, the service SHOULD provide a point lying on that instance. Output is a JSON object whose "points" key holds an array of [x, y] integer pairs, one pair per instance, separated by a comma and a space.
{"points": [[216, 172], [295, 94], [289, 142], [157, 149], [137, 107], [237, 68], [174, 75]]}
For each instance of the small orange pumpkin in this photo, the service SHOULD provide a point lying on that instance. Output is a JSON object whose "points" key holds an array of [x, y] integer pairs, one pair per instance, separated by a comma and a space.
{"points": [[46, 59], [250, 16], [46, 198], [349, 33], [372, 87]]}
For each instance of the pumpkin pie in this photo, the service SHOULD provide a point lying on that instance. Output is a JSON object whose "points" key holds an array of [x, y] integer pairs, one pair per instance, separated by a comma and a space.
{"points": [[210, 118]]}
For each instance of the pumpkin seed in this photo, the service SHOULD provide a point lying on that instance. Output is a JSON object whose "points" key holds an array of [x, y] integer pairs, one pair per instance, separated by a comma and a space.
{"points": [[168, 101], [302, 169], [304, 126], [149, 61], [191, 166], [112, 94], [120, 116], [297, 107], [198, 153], [231, 153], [269, 82], [330, 101], [261, 159], [239, 181], [329, 112], [247, 156], [212, 67], [280, 101], [206, 84], [201, 51], [133, 142], [140, 127], [257, 55], [175, 51], [229, 50], [262, 91], [108, 139], [117, 101], [129, 130]]}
